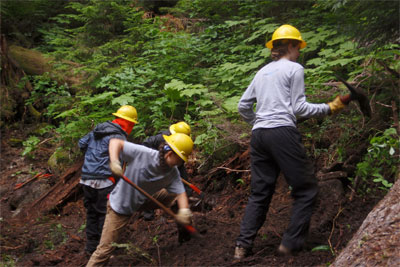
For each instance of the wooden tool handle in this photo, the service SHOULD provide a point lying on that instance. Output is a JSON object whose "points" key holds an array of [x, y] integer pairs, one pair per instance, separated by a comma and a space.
{"points": [[162, 206], [189, 228]]}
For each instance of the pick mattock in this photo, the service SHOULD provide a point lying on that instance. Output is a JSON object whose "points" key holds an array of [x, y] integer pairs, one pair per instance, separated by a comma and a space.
{"points": [[196, 189], [358, 95], [188, 227]]}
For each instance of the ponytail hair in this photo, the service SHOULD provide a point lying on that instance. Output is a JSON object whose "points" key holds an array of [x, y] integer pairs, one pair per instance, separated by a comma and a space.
{"points": [[280, 48]]}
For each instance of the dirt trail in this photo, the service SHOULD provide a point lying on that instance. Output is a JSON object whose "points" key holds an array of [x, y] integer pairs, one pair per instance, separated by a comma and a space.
{"points": [[57, 238]]}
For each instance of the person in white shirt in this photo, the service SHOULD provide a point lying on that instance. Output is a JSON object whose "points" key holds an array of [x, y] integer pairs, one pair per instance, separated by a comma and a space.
{"points": [[278, 91]]}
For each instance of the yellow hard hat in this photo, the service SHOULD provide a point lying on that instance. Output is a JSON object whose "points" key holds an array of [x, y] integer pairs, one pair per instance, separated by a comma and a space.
{"points": [[286, 32], [127, 112], [180, 127], [181, 144]]}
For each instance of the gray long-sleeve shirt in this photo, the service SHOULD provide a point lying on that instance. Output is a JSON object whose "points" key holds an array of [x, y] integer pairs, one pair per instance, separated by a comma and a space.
{"points": [[278, 90]]}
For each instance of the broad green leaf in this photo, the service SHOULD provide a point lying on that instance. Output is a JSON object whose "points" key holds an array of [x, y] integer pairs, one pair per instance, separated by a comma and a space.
{"points": [[67, 113], [200, 138], [173, 94], [321, 248], [390, 131], [196, 89], [262, 32], [231, 23], [123, 100], [231, 104], [98, 98], [175, 84], [205, 113], [204, 102], [348, 45], [315, 61]]}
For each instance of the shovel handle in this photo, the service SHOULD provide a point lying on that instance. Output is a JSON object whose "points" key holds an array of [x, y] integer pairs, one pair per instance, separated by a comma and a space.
{"points": [[189, 228], [162, 206]]}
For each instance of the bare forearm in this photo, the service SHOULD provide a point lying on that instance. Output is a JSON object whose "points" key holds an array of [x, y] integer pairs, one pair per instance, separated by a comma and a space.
{"points": [[114, 148], [182, 200]]}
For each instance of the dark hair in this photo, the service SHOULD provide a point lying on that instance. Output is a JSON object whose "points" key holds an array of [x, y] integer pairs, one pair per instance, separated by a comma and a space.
{"points": [[161, 155], [280, 47]]}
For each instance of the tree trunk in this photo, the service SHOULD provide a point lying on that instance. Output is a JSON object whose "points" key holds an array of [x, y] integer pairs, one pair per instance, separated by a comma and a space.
{"points": [[377, 241], [14, 91]]}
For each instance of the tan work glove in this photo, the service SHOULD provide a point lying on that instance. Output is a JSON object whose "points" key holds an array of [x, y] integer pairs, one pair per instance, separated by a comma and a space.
{"points": [[116, 169], [336, 105], [184, 216]]}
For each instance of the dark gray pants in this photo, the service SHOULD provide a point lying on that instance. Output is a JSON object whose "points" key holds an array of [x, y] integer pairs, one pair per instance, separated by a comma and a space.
{"points": [[274, 150], [95, 202]]}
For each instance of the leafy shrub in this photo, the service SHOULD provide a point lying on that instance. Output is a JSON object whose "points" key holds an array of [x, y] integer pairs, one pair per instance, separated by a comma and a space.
{"points": [[381, 161], [30, 145]]}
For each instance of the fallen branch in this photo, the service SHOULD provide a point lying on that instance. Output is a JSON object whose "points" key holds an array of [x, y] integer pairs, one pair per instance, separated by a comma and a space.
{"points": [[37, 176], [333, 229], [66, 187], [232, 170], [11, 248], [354, 188], [20, 185], [384, 105]]}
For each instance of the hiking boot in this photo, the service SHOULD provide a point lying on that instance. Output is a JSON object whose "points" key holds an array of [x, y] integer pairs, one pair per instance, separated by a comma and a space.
{"points": [[240, 252], [183, 234], [284, 250]]}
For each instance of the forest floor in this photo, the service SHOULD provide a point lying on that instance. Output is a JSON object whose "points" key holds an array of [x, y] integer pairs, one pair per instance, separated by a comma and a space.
{"points": [[57, 237]]}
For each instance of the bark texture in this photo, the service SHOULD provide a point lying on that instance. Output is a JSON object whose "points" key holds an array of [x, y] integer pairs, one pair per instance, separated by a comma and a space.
{"points": [[377, 241]]}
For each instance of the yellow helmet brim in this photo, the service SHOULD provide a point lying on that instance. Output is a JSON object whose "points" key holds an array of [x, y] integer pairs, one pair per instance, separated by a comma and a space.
{"points": [[125, 117], [174, 148]]}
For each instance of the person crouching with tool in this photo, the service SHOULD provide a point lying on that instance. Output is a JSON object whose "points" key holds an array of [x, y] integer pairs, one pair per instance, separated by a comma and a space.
{"points": [[154, 143], [152, 171], [97, 181]]}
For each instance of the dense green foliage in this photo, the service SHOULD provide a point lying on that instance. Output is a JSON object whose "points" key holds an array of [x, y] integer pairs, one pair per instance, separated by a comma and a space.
{"points": [[380, 161], [23, 20], [194, 65]]}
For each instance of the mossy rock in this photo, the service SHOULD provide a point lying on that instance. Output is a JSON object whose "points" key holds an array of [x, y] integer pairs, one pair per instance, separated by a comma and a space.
{"points": [[39, 128], [35, 63], [31, 61], [15, 142], [59, 161]]}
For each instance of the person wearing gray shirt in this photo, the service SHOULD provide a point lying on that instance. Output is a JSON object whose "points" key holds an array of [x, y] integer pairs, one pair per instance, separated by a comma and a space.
{"points": [[278, 91], [156, 173]]}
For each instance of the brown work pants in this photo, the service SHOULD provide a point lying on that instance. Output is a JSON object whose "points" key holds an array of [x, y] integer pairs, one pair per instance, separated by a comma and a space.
{"points": [[114, 225]]}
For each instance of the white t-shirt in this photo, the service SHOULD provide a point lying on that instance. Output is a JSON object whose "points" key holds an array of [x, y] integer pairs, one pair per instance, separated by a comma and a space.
{"points": [[143, 168]]}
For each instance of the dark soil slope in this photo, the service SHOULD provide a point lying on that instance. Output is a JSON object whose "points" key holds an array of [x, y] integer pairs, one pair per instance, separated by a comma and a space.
{"points": [[37, 236]]}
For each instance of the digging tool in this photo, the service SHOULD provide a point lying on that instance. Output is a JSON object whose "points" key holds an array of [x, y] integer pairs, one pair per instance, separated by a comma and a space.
{"points": [[358, 95], [188, 227], [195, 188], [37, 176]]}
